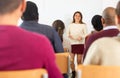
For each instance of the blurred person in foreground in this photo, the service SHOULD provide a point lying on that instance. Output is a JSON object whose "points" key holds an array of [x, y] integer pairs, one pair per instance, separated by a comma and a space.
{"points": [[30, 22], [21, 49], [109, 28], [105, 51]]}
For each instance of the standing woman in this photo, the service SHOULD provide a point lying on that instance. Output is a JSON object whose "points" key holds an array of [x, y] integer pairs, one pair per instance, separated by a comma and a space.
{"points": [[76, 33]]}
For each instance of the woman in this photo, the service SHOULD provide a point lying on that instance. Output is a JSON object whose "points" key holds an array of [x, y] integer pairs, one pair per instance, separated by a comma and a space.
{"points": [[76, 33], [59, 27]]}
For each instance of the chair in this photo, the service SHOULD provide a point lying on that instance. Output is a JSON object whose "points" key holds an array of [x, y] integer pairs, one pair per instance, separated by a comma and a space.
{"points": [[66, 50], [63, 62], [31, 73], [94, 71]]}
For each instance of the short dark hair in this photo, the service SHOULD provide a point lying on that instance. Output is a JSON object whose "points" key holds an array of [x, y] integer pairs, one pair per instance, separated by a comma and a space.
{"points": [[118, 8], [7, 6], [31, 12], [97, 23]]}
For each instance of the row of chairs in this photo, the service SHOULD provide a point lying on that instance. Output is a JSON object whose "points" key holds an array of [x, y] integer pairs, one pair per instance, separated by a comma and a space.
{"points": [[96, 71], [62, 60], [88, 71], [32, 73]]}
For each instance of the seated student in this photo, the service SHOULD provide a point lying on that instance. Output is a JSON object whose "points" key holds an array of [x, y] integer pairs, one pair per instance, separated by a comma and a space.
{"points": [[59, 27], [30, 22], [109, 30], [105, 51], [21, 49], [97, 25]]}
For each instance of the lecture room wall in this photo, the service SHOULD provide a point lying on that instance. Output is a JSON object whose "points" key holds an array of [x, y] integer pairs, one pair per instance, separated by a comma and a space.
{"points": [[50, 10]]}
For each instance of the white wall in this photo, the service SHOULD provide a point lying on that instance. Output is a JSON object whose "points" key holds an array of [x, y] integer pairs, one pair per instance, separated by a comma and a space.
{"points": [[107, 3], [50, 10]]}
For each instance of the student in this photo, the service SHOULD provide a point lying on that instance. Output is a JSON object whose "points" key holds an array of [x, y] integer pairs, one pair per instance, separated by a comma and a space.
{"points": [[105, 51], [109, 30], [21, 49], [97, 25], [30, 22], [59, 26]]}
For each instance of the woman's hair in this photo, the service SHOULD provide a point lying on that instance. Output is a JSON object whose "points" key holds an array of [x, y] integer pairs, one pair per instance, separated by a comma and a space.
{"points": [[80, 16], [31, 12], [59, 27], [97, 23]]}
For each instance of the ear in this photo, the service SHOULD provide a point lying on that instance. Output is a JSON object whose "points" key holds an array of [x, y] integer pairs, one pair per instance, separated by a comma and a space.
{"points": [[103, 21], [118, 19], [23, 6]]}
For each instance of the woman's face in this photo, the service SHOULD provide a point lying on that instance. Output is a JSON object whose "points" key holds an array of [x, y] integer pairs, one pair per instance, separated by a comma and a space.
{"points": [[77, 18]]}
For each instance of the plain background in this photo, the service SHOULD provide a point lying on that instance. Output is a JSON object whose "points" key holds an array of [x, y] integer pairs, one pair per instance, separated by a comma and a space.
{"points": [[50, 10]]}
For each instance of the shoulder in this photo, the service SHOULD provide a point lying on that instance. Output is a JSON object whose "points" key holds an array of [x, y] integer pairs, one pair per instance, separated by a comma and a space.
{"points": [[48, 27], [107, 42], [32, 35]]}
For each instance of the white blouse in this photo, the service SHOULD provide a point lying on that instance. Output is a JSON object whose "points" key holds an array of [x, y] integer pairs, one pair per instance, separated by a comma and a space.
{"points": [[76, 31]]}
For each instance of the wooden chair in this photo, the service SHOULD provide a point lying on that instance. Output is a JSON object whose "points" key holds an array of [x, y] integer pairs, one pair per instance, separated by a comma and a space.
{"points": [[66, 50], [32, 73], [63, 62], [94, 71]]}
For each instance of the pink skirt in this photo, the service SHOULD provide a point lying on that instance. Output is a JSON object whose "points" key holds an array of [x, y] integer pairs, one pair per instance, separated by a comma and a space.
{"points": [[77, 48]]}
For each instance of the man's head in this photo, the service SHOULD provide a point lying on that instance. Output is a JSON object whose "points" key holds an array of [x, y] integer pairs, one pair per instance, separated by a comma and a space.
{"points": [[31, 12], [11, 11], [109, 16], [7, 6]]}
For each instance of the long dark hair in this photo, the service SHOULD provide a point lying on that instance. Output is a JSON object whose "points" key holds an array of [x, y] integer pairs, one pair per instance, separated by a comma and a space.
{"points": [[59, 27], [81, 22]]}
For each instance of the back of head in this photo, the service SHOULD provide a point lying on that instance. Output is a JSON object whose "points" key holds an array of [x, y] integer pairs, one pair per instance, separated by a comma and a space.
{"points": [[7, 6], [109, 15], [97, 23], [31, 12], [59, 27], [58, 24]]}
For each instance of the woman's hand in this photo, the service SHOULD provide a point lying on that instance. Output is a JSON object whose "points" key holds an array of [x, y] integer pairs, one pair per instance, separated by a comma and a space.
{"points": [[79, 38], [71, 37]]}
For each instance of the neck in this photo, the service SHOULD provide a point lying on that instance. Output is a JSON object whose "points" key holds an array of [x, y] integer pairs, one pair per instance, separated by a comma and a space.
{"points": [[77, 23], [112, 24], [8, 19]]}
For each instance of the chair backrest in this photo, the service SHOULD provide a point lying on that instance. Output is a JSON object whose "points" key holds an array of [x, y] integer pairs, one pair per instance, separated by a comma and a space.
{"points": [[32, 73], [63, 62], [94, 71], [66, 50]]}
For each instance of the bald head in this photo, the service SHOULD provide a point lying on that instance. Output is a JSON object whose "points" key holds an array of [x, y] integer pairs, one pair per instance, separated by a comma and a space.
{"points": [[109, 15]]}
